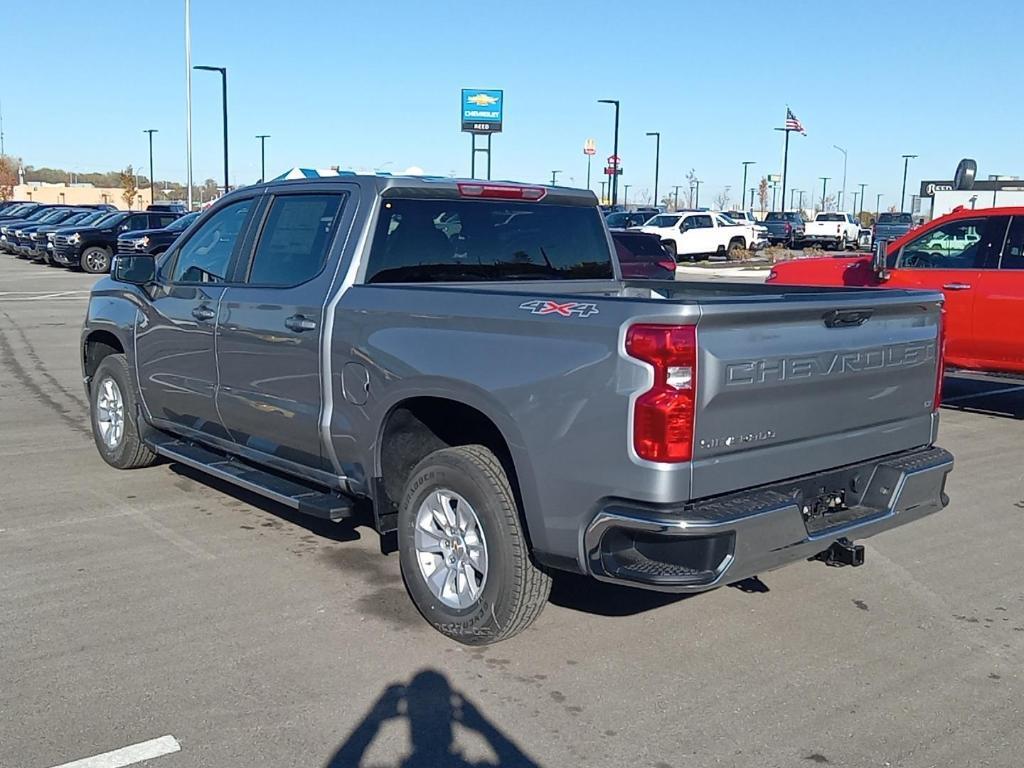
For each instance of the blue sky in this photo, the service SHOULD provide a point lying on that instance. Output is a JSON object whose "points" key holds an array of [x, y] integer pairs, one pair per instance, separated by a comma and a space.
{"points": [[376, 85]]}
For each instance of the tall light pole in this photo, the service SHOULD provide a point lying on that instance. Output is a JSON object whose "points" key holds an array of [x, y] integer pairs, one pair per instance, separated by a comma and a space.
{"points": [[842, 194], [188, 98], [743, 189], [625, 195], [614, 180], [657, 160], [903, 194], [696, 197], [802, 191], [675, 192], [151, 131], [263, 155], [224, 103], [792, 197], [554, 178], [751, 198], [824, 186], [878, 204]]}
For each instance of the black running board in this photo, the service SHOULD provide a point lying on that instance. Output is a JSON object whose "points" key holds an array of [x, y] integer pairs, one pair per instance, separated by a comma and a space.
{"points": [[302, 498]]}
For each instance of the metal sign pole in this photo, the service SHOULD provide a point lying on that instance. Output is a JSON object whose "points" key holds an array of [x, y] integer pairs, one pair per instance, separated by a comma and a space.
{"points": [[488, 157]]}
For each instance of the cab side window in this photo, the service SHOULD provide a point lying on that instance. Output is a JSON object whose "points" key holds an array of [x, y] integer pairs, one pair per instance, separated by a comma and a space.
{"points": [[293, 245], [1013, 251], [961, 244], [206, 256]]}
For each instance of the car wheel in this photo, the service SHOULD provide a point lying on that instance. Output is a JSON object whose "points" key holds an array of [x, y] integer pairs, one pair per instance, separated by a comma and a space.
{"points": [[842, 244], [735, 246], [462, 549], [96, 260], [113, 412]]}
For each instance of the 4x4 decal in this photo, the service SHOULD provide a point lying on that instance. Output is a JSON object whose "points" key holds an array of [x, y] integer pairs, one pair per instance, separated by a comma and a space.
{"points": [[566, 309]]}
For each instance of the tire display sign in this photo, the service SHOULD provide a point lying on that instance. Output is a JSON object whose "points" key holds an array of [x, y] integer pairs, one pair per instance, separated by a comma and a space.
{"points": [[482, 110]]}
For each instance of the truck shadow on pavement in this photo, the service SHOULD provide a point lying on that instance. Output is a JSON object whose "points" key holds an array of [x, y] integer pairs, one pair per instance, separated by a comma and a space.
{"points": [[587, 595], [441, 723], [345, 530], [989, 396]]}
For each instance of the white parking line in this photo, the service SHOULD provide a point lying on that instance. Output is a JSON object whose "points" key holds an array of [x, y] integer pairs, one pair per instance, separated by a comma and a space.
{"points": [[136, 753], [1003, 391]]}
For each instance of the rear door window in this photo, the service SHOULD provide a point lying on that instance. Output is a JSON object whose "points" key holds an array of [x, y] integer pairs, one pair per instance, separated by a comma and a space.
{"points": [[476, 240], [293, 245], [1013, 251]]}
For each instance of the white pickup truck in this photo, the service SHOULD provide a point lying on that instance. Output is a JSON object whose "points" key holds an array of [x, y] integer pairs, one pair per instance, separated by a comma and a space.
{"points": [[700, 234], [840, 230]]}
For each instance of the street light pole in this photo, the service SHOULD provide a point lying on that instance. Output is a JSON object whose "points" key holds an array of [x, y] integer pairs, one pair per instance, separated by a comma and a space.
{"points": [[657, 160], [675, 192], [625, 195], [743, 189], [878, 204], [792, 197], [751, 198], [554, 178], [614, 180], [151, 131], [903, 194], [696, 197], [188, 98], [824, 186], [862, 198], [842, 194], [224, 104], [263, 156], [802, 191]]}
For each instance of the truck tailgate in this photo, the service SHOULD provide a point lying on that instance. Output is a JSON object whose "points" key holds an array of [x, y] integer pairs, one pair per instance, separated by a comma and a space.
{"points": [[814, 381]]}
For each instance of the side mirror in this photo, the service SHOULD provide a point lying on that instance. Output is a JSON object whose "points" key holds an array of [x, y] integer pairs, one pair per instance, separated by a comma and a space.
{"points": [[137, 270], [878, 259]]}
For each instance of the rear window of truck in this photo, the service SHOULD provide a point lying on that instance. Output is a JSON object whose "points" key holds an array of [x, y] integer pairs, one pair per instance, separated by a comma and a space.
{"points": [[422, 241]]}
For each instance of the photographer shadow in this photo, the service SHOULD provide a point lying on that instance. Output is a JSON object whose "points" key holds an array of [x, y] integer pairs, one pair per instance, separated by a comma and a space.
{"points": [[431, 709]]}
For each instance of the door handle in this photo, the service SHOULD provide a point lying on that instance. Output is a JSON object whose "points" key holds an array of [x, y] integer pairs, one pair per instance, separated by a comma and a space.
{"points": [[300, 323], [956, 286], [203, 313]]}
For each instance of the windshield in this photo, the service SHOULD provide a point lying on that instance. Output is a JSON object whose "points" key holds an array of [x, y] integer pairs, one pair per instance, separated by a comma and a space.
{"points": [[638, 247], [55, 215], [179, 224], [663, 220], [895, 218], [111, 219], [17, 210], [617, 219], [438, 240], [736, 215]]}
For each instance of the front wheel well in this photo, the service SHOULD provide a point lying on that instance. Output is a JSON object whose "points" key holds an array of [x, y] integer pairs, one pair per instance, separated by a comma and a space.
{"points": [[417, 427], [98, 345]]}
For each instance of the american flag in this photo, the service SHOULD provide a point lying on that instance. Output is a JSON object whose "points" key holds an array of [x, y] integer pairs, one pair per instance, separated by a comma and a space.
{"points": [[792, 124]]}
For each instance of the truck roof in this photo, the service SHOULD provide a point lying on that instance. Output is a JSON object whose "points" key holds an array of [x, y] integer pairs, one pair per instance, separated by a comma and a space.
{"points": [[443, 186]]}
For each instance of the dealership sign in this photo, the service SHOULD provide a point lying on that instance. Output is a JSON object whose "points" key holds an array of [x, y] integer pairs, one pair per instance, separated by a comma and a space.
{"points": [[482, 110], [929, 188]]}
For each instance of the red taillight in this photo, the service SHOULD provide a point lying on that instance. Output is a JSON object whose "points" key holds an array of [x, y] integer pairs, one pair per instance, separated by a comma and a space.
{"points": [[789, 227], [940, 354], [501, 191], [668, 264], [663, 416]]}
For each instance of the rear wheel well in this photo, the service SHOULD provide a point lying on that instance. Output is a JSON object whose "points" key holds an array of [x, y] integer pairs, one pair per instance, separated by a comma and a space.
{"points": [[419, 426], [98, 345]]}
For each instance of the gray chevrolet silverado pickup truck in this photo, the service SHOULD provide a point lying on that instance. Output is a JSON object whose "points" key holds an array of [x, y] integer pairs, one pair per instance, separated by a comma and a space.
{"points": [[462, 363]]}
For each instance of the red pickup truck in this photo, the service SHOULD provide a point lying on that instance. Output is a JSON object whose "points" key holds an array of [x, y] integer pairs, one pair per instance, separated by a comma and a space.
{"points": [[975, 257]]}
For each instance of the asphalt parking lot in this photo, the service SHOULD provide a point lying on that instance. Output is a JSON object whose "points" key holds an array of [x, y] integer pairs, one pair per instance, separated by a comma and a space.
{"points": [[156, 603]]}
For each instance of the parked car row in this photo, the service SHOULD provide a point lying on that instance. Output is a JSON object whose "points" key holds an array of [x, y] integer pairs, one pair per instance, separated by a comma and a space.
{"points": [[694, 234], [87, 237]]}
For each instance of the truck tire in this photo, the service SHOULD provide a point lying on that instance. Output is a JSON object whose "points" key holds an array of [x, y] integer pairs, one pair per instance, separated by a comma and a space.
{"points": [[735, 245], [842, 244], [462, 549], [113, 408], [95, 260]]}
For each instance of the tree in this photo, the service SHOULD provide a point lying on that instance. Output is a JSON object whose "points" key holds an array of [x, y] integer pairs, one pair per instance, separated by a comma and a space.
{"points": [[827, 203], [762, 193], [668, 202], [8, 176], [722, 200], [691, 178], [127, 183]]}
